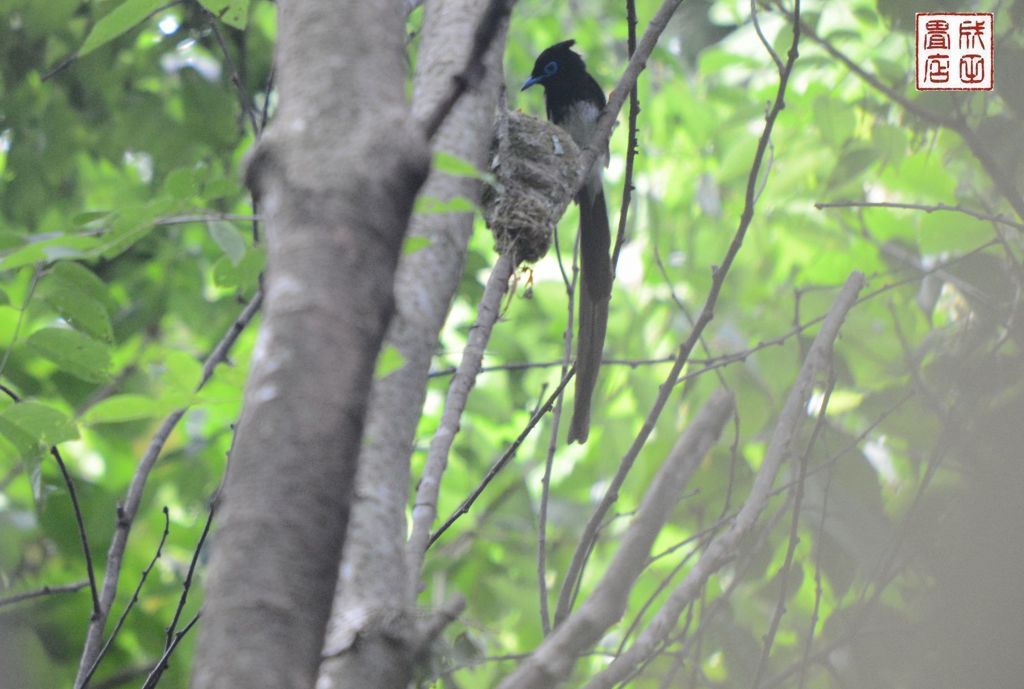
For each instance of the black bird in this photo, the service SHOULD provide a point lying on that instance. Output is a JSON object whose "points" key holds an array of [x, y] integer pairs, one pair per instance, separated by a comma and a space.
{"points": [[574, 102]]}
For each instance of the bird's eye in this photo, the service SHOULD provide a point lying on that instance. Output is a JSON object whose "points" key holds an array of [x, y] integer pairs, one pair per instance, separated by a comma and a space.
{"points": [[550, 68]]}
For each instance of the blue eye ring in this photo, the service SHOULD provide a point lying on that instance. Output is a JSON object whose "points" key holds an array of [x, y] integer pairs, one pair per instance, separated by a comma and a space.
{"points": [[550, 68]]}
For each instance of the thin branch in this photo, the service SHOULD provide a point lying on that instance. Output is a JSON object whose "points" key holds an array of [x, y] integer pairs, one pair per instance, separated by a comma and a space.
{"points": [[761, 37], [927, 208], [818, 588], [131, 601], [127, 510], [424, 510], [80, 525], [44, 591], [549, 457], [473, 72], [603, 129], [718, 275], [504, 459], [632, 145], [794, 538], [658, 590], [554, 658], [123, 676], [161, 665], [722, 549], [555, 363], [186, 585], [236, 79], [83, 538]]}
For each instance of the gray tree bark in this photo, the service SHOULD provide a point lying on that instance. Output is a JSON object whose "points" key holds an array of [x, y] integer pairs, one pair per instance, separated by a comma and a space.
{"points": [[337, 173], [373, 604]]}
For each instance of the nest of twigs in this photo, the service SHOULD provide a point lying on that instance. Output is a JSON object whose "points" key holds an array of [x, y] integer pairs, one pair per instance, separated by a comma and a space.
{"points": [[535, 165]]}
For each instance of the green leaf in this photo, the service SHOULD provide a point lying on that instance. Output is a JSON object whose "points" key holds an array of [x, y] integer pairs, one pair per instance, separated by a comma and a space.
{"points": [[834, 119], [229, 239], [241, 276], [77, 276], [181, 183], [81, 312], [75, 353], [80, 298], [120, 20], [23, 443], [851, 165], [389, 361], [87, 217], [123, 408], [183, 372], [234, 13], [44, 424], [66, 246]]}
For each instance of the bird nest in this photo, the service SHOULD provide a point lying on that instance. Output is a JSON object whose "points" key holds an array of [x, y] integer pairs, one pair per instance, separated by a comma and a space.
{"points": [[535, 167]]}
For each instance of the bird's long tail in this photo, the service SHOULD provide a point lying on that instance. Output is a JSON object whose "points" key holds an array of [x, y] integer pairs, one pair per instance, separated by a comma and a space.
{"points": [[595, 293]]}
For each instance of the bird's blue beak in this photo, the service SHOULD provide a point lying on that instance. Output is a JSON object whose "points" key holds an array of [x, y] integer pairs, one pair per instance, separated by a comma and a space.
{"points": [[532, 80]]}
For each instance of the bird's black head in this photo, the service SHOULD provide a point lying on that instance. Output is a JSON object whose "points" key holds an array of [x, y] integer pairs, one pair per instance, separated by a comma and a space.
{"points": [[556, 65]]}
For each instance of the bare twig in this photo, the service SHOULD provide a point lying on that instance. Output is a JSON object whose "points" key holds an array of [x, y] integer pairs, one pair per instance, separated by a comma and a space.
{"points": [[245, 100], [794, 538], [83, 537], [927, 208], [555, 363], [764, 39], [80, 525], [603, 129], [633, 145], [724, 546], [44, 591], [549, 457], [123, 676], [818, 588], [161, 665], [505, 457], [127, 510], [424, 510], [555, 656], [186, 585], [132, 601]]}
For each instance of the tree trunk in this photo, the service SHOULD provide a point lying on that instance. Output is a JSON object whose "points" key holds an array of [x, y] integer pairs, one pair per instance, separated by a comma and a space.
{"points": [[336, 173], [372, 603]]}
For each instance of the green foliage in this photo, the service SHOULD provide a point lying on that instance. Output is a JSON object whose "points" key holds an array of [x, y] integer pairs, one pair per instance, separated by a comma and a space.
{"points": [[127, 247]]}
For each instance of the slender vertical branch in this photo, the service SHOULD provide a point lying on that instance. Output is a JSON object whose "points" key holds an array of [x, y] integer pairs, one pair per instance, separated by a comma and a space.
{"points": [[425, 508], [133, 600], [631, 138], [76, 508], [186, 585], [794, 538]]}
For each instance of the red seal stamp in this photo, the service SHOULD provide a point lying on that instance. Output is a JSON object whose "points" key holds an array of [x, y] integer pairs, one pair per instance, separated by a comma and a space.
{"points": [[954, 51]]}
